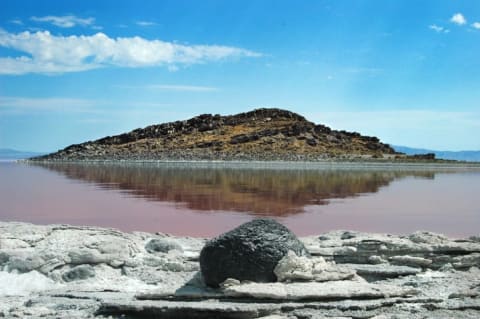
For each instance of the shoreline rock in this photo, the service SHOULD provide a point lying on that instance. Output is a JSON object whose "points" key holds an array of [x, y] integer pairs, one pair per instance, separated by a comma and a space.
{"points": [[61, 271]]}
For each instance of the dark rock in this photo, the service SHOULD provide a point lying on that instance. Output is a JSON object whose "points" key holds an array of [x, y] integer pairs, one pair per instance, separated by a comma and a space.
{"points": [[322, 129], [347, 235], [79, 273], [161, 245], [248, 252], [311, 142], [243, 138], [427, 156], [268, 132]]}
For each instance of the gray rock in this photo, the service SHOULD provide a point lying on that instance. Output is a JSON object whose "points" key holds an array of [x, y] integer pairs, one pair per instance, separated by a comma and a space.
{"points": [[24, 263], [79, 273], [465, 262], [475, 238], [87, 256], [162, 245], [375, 260], [4, 257], [410, 261], [249, 252], [317, 291], [187, 309]]}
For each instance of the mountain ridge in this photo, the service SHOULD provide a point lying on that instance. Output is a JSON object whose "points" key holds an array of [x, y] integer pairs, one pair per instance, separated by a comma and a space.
{"points": [[260, 134], [466, 155], [11, 154]]}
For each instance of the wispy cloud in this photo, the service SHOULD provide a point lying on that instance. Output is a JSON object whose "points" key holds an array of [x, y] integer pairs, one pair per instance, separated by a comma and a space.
{"points": [[171, 87], [16, 21], [438, 29], [50, 54], [182, 88], [458, 18], [363, 70], [145, 23], [414, 127], [46, 104], [476, 25], [19, 104], [68, 21]]}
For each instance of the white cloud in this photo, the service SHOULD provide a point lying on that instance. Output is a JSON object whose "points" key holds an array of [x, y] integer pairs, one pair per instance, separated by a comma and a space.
{"points": [[476, 25], [438, 29], [458, 18], [65, 21], [49, 54], [145, 23]]}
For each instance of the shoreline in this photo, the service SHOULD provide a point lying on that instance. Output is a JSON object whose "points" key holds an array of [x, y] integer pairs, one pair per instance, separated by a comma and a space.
{"points": [[334, 163], [82, 271]]}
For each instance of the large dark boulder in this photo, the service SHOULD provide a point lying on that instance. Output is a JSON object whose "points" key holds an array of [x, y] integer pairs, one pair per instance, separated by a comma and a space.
{"points": [[248, 252]]}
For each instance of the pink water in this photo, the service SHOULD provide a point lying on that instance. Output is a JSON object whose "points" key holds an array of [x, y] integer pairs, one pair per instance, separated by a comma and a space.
{"points": [[208, 201]]}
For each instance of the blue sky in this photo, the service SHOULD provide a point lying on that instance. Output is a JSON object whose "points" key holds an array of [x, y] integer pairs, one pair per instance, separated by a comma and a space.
{"points": [[405, 71]]}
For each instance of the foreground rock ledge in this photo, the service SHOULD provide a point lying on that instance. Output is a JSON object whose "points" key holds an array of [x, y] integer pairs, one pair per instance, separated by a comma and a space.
{"points": [[60, 271]]}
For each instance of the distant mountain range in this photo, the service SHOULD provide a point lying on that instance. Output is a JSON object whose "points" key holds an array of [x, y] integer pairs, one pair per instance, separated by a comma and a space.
{"points": [[468, 156], [9, 154]]}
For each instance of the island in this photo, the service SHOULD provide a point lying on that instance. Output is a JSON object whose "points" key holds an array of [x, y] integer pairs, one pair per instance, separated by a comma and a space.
{"points": [[266, 134]]}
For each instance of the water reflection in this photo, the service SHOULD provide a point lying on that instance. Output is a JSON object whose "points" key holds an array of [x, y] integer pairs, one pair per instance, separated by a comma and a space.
{"points": [[260, 191]]}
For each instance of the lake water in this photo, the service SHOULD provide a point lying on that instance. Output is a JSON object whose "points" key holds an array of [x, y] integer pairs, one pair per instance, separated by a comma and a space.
{"points": [[198, 199]]}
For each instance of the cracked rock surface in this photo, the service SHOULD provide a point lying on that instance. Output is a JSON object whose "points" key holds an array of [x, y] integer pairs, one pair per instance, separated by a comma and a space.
{"points": [[60, 271]]}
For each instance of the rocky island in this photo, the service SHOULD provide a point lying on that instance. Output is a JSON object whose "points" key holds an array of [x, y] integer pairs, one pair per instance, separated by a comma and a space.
{"points": [[260, 135], [61, 271]]}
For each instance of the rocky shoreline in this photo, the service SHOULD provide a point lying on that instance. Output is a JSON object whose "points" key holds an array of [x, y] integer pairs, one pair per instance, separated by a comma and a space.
{"points": [[61, 271]]}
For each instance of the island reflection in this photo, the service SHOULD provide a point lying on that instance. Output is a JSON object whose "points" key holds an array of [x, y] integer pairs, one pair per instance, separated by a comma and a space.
{"points": [[261, 192]]}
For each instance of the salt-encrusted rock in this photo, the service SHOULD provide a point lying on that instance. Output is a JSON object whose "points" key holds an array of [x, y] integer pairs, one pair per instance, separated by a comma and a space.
{"points": [[249, 252], [382, 271], [465, 262], [79, 273], [425, 237], [375, 260], [301, 268], [24, 263], [162, 245], [410, 261], [317, 291]]}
